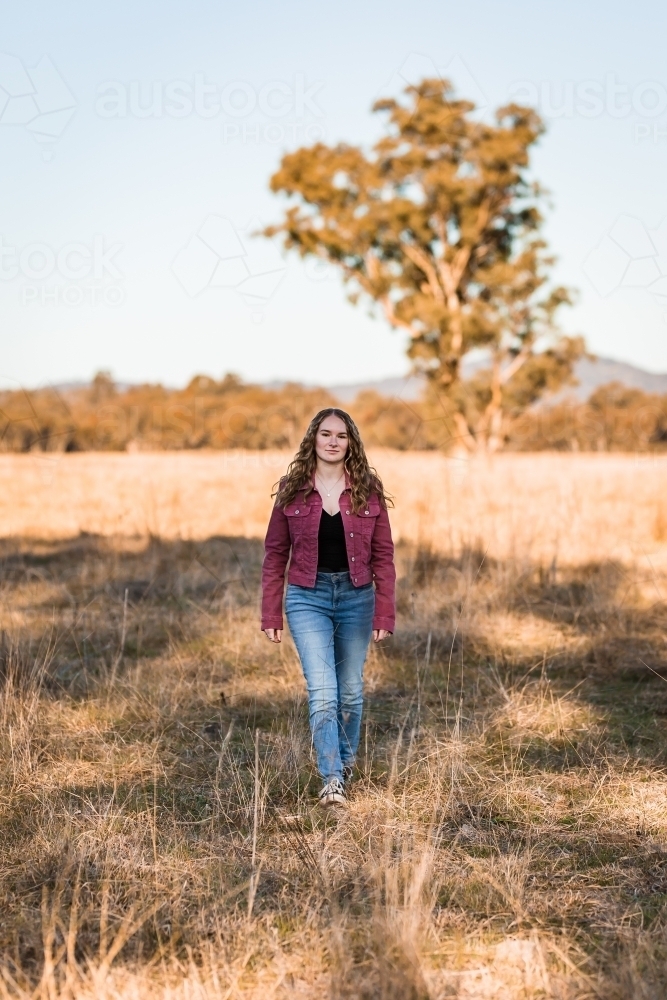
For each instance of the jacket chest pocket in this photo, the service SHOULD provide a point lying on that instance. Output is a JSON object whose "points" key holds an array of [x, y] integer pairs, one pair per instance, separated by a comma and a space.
{"points": [[368, 516], [297, 514]]}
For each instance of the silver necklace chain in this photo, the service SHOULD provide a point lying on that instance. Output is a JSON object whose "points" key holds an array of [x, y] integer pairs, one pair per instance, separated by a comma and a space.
{"points": [[328, 492]]}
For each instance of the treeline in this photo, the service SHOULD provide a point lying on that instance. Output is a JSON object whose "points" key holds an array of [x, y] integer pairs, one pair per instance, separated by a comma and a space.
{"points": [[614, 418], [206, 414], [232, 414]]}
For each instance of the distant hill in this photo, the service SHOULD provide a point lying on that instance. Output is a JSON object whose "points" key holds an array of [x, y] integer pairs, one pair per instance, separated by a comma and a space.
{"points": [[590, 375], [407, 387]]}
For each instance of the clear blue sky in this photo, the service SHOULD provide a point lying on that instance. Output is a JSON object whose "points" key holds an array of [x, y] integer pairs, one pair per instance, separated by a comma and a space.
{"points": [[139, 185]]}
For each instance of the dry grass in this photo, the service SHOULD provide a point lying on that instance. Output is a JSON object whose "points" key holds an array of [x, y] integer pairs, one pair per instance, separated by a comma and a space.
{"points": [[544, 507], [507, 835]]}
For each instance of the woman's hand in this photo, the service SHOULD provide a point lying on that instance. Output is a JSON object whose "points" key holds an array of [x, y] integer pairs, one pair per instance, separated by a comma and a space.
{"points": [[276, 634], [379, 634]]}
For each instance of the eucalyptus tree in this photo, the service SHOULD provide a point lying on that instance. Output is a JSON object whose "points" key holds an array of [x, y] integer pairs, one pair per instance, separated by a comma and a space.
{"points": [[438, 225]]}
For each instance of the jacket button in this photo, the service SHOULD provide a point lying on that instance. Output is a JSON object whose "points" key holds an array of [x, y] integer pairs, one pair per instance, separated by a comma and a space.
{"points": [[351, 534], [365, 512], [347, 512], [352, 558], [296, 512]]}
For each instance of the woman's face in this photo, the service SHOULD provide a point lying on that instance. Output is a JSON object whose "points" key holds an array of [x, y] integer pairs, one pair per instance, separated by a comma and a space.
{"points": [[331, 442]]}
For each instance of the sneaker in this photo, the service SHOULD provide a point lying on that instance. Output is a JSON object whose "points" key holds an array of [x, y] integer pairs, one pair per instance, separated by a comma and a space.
{"points": [[333, 794], [348, 773]]}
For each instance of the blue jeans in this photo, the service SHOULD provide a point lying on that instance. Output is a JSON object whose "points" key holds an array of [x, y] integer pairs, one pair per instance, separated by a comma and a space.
{"points": [[331, 624]]}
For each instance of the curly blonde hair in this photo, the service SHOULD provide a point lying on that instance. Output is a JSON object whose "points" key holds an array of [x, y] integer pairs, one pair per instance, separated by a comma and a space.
{"points": [[364, 480]]}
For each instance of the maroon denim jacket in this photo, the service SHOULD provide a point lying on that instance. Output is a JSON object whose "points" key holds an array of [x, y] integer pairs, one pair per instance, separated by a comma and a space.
{"points": [[370, 553]]}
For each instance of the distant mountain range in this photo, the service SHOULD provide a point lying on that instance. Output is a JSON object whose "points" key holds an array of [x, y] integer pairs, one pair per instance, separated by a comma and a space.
{"points": [[590, 375]]}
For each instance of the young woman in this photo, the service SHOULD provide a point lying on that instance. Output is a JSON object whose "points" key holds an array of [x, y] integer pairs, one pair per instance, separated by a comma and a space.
{"points": [[330, 517]]}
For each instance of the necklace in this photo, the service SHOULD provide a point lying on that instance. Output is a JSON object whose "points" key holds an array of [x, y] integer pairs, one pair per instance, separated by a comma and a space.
{"points": [[328, 492]]}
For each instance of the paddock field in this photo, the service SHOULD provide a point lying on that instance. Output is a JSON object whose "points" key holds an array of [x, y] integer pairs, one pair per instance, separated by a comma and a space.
{"points": [[507, 832], [571, 508]]}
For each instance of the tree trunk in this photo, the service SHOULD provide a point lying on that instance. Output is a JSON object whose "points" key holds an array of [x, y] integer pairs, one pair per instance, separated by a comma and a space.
{"points": [[489, 434]]}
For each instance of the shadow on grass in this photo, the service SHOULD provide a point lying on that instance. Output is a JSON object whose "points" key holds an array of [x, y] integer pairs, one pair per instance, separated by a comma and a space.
{"points": [[604, 632], [92, 606], [160, 712]]}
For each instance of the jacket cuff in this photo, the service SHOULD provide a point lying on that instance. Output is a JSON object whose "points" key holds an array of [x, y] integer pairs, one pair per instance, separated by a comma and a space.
{"points": [[388, 624], [275, 622]]}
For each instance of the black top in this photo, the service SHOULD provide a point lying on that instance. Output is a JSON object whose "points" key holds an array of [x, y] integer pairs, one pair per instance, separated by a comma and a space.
{"points": [[331, 551]]}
